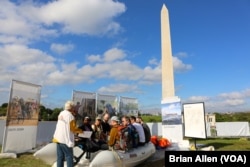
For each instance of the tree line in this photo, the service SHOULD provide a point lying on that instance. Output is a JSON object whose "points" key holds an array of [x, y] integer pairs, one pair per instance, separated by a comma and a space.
{"points": [[233, 117]]}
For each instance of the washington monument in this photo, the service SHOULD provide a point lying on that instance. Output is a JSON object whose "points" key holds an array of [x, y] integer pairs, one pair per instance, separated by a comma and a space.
{"points": [[168, 90]]}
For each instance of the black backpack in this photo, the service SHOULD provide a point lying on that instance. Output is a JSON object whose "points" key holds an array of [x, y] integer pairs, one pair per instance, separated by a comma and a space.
{"points": [[146, 132]]}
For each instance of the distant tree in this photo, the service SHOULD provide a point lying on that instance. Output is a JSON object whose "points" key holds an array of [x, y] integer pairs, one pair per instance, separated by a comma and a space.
{"points": [[233, 117], [55, 114], [242, 116], [49, 112], [4, 105], [41, 113], [151, 118], [3, 109], [219, 117]]}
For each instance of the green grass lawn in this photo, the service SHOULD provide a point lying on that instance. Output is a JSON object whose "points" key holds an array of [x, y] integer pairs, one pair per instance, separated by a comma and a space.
{"points": [[220, 144], [23, 160], [226, 144]]}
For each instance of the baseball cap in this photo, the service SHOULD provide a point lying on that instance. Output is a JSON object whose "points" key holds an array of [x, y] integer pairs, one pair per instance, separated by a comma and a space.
{"points": [[115, 118]]}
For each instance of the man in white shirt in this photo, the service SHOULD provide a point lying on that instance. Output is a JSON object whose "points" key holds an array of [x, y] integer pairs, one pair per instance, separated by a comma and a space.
{"points": [[145, 128], [139, 129], [64, 135]]}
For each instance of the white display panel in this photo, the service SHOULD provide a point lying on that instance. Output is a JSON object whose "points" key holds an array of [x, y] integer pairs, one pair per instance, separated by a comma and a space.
{"points": [[194, 120]]}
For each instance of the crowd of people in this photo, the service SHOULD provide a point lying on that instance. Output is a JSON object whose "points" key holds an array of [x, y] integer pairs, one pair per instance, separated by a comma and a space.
{"points": [[105, 133]]}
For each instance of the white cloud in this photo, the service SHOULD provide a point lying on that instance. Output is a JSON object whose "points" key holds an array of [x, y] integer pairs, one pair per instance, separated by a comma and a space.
{"points": [[234, 102], [15, 55], [82, 17], [179, 66], [28, 20], [20, 62], [198, 98], [119, 70], [231, 95], [61, 48], [109, 56], [151, 75], [236, 95], [223, 102], [235, 99], [181, 54], [112, 64], [117, 88], [65, 74], [10, 39], [19, 23], [125, 70], [246, 93], [153, 61], [94, 58], [114, 54]]}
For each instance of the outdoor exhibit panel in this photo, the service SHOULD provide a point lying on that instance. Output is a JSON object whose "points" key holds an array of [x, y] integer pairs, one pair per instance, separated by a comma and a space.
{"points": [[107, 104], [194, 120], [22, 117], [85, 105], [172, 119], [129, 106]]}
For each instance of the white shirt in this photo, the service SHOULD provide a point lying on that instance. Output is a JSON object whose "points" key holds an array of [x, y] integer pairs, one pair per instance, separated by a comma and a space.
{"points": [[140, 131], [62, 133]]}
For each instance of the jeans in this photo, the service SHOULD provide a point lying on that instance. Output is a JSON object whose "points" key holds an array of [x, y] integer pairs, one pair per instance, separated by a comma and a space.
{"points": [[64, 152]]}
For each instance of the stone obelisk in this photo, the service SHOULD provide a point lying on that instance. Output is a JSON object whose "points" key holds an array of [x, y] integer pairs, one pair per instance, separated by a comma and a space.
{"points": [[173, 132], [168, 90]]}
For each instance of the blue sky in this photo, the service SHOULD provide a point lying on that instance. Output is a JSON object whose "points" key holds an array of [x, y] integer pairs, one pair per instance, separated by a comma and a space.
{"points": [[113, 47]]}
